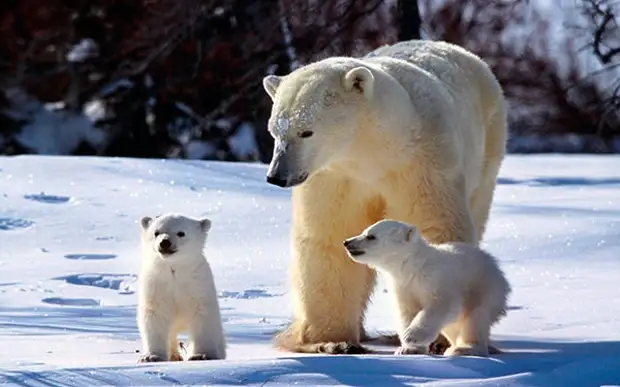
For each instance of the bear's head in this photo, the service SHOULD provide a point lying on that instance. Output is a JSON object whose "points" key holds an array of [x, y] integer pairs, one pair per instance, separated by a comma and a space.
{"points": [[174, 236], [383, 243], [316, 112]]}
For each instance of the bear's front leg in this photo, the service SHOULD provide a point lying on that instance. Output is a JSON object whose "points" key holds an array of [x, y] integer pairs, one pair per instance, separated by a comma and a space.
{"points": [[328, 302], [330, 291]]}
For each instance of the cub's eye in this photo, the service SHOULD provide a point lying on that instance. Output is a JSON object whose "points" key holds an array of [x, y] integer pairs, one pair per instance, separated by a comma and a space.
{"points": [[371, 237], [306, 134], [180, 234], [156, 234]]}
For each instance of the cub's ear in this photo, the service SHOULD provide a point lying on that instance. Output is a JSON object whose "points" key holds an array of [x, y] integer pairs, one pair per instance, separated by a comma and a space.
{"points": [[359, 80], [205, 225], [145, 222], [270, 84]]}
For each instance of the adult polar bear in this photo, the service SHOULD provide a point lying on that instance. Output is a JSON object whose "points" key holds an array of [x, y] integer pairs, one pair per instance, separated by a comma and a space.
{"points": [[415, 131]]}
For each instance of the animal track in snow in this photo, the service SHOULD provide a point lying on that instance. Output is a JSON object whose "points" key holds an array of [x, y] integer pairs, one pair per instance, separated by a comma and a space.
{"points": [[120, 282], [71, 301], [7, 224], [247, 294], [94, 257], [48, 199]]}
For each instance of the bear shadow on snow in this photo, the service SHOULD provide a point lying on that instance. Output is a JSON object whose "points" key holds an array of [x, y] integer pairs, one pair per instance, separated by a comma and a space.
{"points": [[537, 363]]}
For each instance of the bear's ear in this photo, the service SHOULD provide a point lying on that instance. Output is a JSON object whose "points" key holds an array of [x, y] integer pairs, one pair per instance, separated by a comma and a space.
{"points": [[270, 84], [359, 80], [145, 222], [205, 225]]}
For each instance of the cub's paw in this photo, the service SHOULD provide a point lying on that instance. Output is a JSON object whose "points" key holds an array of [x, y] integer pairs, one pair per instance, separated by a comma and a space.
{"points": [[341, 348], [200, 356], [411, 351], [150, 358], [466, 351]]}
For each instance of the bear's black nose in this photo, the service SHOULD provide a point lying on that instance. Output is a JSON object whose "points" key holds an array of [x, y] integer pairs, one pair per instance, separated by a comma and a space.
{"points": [[165, 244], [347, 243], [276, 180]]}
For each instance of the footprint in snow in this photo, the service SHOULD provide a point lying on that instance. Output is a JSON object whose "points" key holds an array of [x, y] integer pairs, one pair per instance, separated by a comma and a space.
{"points": [[247, 294], [119, 282], [48, 199], [7, 224], [94, 257], [71, 301]]}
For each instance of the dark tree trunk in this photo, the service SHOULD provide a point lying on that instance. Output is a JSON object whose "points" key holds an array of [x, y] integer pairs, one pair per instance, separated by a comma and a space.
{"points": [[409, 21]]}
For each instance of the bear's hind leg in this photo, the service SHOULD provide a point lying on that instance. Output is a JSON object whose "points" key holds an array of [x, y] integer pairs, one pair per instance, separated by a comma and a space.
{"points": [[494, 153], [440, 211], [175, 355], [482, 197]]}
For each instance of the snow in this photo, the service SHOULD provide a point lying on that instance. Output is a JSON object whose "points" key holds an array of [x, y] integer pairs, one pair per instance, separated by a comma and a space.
{"points": [[69, 260], [50, 129], [243, 143], [85, 49]]}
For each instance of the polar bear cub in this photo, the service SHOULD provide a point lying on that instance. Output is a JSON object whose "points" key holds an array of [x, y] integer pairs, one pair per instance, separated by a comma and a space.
{"points": [[176, 291], [453, 288]]}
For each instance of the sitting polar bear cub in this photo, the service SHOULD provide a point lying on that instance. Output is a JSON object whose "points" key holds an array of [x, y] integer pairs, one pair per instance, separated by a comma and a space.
{"points": [[453, 288], [177, 291]]}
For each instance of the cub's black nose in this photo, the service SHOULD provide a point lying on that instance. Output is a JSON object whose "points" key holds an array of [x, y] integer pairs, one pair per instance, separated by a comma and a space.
{"points": [[275, 180], [165, 244], [346, 243]]}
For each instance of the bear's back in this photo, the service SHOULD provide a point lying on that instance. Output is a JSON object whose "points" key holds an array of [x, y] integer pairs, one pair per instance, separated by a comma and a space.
{"points": [[455, 68]]}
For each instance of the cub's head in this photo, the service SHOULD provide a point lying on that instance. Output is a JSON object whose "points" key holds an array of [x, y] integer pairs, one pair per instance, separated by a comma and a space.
{"points": [[382, 242], [174, 236], [316, 110]]}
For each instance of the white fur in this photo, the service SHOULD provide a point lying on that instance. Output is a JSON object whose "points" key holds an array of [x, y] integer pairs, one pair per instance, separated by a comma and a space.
{"points": [[453, 288], [414, 131], [177, 292]]}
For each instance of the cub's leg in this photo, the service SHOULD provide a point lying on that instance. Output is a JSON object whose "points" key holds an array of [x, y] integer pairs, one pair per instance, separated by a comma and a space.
{"points": [[426, 325], [441, 212], [206, 339], [473, 339], [154, 331]]}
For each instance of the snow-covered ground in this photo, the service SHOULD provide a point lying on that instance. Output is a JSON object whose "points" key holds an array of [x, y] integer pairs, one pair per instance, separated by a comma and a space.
{"points": [[69, 260]]}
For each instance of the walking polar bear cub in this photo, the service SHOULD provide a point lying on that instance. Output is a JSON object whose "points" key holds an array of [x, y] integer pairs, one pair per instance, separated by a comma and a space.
{"points": [[453, 288], [415, 131]]}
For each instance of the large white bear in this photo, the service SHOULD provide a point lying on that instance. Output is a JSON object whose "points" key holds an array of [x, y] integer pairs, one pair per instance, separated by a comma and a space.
{"points": [[415, 131]]}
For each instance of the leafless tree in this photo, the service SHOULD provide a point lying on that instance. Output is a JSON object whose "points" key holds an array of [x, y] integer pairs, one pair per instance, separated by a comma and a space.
{"points": [[408, 19]]}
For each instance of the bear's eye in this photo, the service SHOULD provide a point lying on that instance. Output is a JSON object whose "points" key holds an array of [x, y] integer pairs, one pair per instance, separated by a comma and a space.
{"points": [[156, 234], [180, 234], [306, 134], [371, 237]]}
